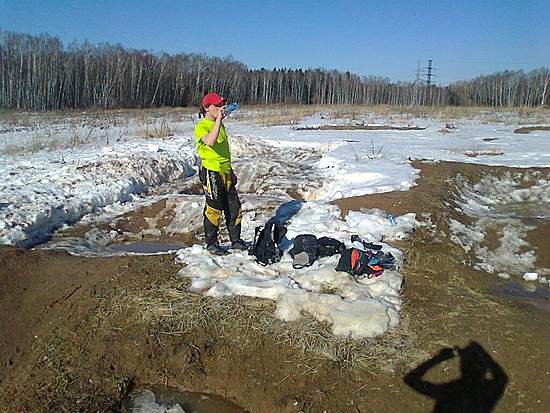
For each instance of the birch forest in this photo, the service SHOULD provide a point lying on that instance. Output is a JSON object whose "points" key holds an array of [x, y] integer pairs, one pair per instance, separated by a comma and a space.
{"points": [[40, 73]]}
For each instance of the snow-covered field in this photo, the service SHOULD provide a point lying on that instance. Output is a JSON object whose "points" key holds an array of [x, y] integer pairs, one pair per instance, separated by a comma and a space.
{"points": [[113, 171], [43, 190]]}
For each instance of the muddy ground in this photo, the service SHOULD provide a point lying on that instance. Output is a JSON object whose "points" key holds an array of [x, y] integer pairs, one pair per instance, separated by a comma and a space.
{"points": [[79, 333]]}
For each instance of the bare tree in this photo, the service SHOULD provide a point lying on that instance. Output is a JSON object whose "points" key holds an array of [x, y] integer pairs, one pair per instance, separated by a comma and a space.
{"points": [[37, 72]]}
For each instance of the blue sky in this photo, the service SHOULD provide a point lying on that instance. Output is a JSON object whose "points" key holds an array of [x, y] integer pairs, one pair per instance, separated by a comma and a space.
{"points": [[382, 37]]}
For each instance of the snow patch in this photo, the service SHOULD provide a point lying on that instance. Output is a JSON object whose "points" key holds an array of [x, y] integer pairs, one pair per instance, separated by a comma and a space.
{"points": [[37, 198], [502, 206], [145, 402]]}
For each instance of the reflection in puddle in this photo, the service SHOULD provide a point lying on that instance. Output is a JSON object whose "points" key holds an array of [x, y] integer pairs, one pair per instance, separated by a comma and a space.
{"points": [[536, 295], [161, 399], [147, 247]]}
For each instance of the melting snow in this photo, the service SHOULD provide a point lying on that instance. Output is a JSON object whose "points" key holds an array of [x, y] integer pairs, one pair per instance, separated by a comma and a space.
{"points": [[44, 191], [40, 192], [504, 205]]}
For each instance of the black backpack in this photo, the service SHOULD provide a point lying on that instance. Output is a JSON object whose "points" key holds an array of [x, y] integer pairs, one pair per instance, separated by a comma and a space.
{"points": [[304, 244], [327, 247], [267, 239], [314, 248]]}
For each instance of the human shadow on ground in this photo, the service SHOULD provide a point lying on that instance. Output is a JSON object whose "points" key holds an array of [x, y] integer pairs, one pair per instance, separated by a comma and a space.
{"points": [[479, 388]]}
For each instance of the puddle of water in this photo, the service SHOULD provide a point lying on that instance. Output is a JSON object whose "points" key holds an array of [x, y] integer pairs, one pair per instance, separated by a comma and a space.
{"points": [[171, 400], [147, 247], [533, 294]]}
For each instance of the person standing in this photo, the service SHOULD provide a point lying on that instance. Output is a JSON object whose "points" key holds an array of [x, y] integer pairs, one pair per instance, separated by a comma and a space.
{"points": [[217, 176]]}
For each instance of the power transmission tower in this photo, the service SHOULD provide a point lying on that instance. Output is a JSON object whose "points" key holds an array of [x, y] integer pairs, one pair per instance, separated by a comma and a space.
{"points": [[417, 83], [417, 80], [429, 73]]}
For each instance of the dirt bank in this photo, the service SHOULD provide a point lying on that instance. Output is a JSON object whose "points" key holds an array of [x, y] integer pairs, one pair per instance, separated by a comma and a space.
{"points": [[529, 129], [78, 333]]}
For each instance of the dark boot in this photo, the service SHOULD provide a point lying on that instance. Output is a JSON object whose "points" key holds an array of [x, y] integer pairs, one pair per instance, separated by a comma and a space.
{"points": [[215, 249], [239, 245]]}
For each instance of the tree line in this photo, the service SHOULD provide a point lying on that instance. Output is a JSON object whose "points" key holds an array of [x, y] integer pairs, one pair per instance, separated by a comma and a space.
{"points": [[503, 89], [40, 73]]}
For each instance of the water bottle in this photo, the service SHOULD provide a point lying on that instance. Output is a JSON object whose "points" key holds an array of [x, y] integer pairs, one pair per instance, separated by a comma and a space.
{"points": [[232, 107], [392, 220]]}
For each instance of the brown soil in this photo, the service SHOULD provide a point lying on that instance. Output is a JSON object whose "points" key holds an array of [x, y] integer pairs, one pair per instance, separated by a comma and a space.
{"points": [[136, 221], [135, 224], [529, 129], [360, 127], [78, 333], [540, 239], [432, 191]]}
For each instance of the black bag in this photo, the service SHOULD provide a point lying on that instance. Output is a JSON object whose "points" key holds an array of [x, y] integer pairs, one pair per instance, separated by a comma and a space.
{"points": [[304, 251], [266, 247], [327, 247]]}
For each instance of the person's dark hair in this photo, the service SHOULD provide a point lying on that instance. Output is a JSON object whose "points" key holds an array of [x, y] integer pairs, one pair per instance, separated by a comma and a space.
{"points": [[202, 112]]}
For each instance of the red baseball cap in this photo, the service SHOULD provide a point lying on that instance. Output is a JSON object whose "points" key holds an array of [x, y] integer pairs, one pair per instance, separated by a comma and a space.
{"points": [[212, 99]]}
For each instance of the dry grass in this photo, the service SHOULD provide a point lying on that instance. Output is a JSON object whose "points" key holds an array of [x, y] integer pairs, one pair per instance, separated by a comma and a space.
{"points": [[171, 310], [532, 129], [49, 138], [360, 127], [276, 114], [24, 118], [40, 140], [157, 129], [70, 129], [479, 152], [270, 115], [158, 123], [486, 114]]}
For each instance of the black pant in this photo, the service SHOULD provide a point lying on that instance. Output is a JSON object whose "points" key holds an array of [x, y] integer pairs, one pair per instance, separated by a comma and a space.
{"points": [[221, 196]]}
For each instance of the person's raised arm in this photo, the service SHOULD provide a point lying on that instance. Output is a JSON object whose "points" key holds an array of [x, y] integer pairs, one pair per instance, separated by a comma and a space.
{"points": [[211, 137]]}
